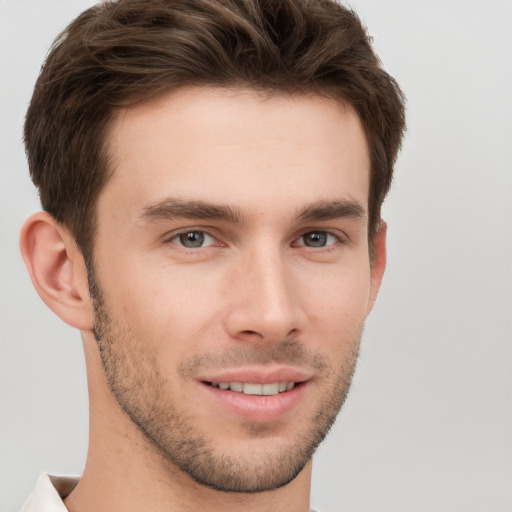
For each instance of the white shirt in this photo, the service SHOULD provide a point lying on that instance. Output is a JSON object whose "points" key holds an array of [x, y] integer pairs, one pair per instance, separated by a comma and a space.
{"points": [[50, 491]]}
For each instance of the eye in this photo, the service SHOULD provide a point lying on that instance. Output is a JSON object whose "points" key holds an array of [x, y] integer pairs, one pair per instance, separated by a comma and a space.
{"points": [[193, 239], [317, 239]]}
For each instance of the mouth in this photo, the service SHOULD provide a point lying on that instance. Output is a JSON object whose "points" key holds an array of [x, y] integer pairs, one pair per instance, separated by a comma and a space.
{"points": [[256, 401], [252, 388], [257, 394]]}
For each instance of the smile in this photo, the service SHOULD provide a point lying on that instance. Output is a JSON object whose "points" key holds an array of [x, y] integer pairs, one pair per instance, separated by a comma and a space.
{"points": [[257, 396], [249, 388]]}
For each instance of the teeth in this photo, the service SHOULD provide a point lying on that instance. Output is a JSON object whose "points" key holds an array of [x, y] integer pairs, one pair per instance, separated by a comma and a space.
{"points": [[270, 389], [252, 389], [236, 386], [249, 388]]}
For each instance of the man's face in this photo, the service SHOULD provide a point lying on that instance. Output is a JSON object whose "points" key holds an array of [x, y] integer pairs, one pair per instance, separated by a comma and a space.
{"points": [[232, 253]]}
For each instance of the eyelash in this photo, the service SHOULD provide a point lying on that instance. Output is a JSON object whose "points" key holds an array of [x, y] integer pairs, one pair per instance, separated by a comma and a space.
{"points": [[176, 236], [322, 232], [328, 247]]}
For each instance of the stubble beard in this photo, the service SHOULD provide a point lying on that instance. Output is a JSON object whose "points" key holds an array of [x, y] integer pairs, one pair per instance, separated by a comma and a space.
{"points": [[138, 387]]}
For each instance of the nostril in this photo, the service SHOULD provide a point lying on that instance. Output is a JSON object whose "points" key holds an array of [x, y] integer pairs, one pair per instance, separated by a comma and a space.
{"points": [[249, 335]]}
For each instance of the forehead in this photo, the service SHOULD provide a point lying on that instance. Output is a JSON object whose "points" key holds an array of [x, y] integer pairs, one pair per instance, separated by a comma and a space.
{"points": [[237, 145]]}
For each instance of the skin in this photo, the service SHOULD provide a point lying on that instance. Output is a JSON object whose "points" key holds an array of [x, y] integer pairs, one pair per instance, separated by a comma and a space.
{"points": [[260, 295]]}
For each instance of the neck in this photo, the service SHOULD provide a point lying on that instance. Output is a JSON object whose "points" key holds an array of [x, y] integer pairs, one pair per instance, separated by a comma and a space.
{"points": [[124, 472]]}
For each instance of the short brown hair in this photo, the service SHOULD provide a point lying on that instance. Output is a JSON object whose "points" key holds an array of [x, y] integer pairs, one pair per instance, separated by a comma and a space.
{"points": [[127, 51]]}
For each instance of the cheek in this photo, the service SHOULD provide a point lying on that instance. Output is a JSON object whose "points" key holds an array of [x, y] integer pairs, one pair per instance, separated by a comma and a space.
{"points": [[342, 292], [167, 304], [336, 307]]}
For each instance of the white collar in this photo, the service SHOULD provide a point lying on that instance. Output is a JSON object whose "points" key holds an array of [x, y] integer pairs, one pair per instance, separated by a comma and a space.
{"points": [[49, 493]]}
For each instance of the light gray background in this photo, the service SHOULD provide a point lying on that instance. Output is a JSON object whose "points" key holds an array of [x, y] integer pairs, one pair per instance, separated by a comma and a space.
{"points": [[428, 424]]}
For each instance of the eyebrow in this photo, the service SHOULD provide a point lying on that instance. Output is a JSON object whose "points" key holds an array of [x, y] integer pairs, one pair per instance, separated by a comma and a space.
{"points": [[329, 210], [190, 209], [173, 208]]}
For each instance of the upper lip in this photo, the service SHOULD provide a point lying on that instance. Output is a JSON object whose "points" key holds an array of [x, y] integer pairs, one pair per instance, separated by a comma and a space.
{"points": [[257, 375]]}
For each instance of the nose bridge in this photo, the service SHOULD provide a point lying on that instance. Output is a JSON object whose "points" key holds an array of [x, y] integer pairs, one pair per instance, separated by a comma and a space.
{"points": [[264, 302]]}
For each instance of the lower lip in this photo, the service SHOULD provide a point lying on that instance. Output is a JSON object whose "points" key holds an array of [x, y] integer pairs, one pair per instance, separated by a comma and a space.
{"points": [[258, 408]]}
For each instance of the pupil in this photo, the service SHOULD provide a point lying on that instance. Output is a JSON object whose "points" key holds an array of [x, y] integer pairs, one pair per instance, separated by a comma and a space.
{"points": [[192, 239], [316, 239]]}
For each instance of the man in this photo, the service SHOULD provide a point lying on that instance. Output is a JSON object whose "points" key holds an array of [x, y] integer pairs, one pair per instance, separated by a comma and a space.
{"points": [[212, 175]]}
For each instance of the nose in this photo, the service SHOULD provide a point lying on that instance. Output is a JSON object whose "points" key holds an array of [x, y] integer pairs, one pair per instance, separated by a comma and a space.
{"points": [[263, 306]]}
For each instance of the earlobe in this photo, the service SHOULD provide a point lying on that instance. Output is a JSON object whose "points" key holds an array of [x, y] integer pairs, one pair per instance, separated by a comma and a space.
{"points": [[57, 269], [378, 263]]}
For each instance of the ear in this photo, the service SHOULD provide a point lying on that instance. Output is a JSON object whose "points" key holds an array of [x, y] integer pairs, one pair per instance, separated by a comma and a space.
{"points": [[57, 269], [378, 263]]}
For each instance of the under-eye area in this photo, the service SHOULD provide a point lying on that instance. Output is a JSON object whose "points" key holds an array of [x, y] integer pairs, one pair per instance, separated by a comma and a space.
{"points": [[249, 388]]}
